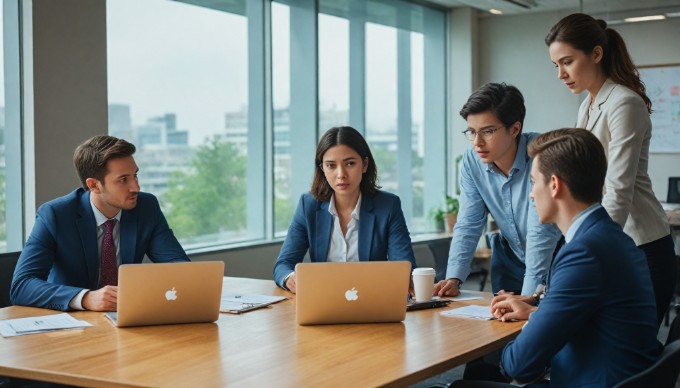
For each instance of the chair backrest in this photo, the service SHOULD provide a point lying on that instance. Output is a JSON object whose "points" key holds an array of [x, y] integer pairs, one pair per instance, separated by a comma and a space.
{"points": [[673, 190], [7, 263], [664, 373], [674, 331]]}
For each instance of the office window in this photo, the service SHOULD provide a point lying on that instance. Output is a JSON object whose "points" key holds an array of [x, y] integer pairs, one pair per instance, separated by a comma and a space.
{"points": [[179, 90], [284, 204], [3, 164], [11, 205], [334, 80], [294, 90], [226, 101], [395, 58]]}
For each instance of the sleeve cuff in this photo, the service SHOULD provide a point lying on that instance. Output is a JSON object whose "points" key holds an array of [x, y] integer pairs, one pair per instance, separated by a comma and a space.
{"points": [[283, 282], [77, 302]]}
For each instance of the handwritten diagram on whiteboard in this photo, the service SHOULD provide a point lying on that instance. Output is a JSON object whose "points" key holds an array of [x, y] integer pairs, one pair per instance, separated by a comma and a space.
{"points": [[663, 88]]}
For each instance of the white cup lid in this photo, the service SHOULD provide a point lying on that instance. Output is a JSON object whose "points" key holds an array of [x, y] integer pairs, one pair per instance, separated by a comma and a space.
{"points": [[424, 271]]}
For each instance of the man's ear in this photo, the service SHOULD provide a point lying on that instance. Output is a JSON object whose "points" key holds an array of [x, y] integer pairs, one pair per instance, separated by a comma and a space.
{"points": [[556, 186], [515, 129], [93, 185]]}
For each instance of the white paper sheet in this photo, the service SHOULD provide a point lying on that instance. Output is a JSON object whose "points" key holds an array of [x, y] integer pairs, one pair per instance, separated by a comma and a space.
{"points": [[476, 312], [41, 324]]}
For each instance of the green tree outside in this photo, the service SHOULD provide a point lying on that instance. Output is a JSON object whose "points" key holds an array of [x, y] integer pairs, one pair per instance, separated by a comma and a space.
{"points": [[211, 197]]}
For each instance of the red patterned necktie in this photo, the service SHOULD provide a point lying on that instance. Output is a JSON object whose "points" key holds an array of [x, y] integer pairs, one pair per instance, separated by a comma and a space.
{"points": [[109, 267]]}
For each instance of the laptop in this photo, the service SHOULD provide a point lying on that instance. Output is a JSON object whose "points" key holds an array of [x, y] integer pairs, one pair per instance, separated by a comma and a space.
{"points": [[166, 293], [357, 292]]}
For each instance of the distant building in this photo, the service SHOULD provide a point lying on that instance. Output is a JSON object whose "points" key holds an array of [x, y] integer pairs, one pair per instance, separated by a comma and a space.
{"points": [[120, 124], [161, 148]]}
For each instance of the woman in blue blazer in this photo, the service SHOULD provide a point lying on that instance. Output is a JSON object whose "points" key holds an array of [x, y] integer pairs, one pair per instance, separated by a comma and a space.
{"points": [[592, 57], [344, 217]]}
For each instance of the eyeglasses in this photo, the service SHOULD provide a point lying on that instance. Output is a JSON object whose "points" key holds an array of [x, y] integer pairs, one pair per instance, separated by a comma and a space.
{"points": [[485, 134]]}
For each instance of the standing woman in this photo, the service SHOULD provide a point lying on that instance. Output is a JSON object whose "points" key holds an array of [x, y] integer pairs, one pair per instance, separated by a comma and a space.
{"points": [[344, 217], [591, 57]]}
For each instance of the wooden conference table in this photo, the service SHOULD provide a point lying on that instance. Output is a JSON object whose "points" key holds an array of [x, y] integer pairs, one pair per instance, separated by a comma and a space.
{"points": [[261, 347]]}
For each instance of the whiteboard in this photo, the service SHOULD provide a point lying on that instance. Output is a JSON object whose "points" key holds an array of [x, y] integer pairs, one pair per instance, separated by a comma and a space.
{"points": [[663, 88]]}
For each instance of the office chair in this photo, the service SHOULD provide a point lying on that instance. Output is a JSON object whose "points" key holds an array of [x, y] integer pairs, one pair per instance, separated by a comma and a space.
{"points": [[673, 190], [7, 263], [664, 373]]}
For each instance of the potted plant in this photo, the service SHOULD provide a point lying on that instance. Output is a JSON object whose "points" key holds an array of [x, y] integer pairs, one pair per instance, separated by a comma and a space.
{"points": [[438, 216], [451, 206], [448, 213]]}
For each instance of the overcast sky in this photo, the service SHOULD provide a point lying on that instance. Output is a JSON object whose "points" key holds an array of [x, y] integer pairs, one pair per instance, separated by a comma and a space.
{"points": [[166, 56]]}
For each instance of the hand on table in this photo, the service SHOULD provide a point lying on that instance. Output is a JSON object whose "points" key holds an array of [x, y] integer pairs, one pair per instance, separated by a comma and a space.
{"points": [[103, 299], [290, 283], [449, 287], [511, 308]]}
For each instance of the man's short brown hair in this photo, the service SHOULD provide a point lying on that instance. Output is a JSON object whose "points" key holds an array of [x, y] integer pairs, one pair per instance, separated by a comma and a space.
{"points": [[90, 157], [577, 157]]}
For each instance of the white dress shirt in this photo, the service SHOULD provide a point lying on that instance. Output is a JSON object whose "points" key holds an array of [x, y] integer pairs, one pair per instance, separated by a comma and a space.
{"points": [[344, 248], [77, 301]]}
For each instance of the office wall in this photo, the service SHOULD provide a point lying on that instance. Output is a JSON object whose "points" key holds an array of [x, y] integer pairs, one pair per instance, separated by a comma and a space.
{"points": [[512, 51], [65, 91]]}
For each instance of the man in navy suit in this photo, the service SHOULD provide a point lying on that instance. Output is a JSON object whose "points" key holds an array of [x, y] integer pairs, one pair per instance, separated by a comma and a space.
{"points": [[596, 323], [63, 265]]}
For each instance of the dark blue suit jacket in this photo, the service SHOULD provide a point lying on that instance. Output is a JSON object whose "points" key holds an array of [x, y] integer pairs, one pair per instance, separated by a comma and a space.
{"points": [[61, 256], [383, 233], [597, 323]]}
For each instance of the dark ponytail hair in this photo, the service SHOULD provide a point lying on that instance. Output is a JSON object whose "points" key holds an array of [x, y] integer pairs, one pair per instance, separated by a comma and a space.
{"points": [[584, 33]]}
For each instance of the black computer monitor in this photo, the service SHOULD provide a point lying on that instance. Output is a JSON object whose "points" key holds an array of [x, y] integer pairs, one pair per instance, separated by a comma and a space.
{"points": [[673, 190]]}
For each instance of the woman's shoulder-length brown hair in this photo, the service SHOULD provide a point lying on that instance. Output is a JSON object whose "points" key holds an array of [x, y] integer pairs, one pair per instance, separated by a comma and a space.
{"points": [[350, 137]]}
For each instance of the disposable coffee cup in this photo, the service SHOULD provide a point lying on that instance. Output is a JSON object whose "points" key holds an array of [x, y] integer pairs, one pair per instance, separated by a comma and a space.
{"points": [[423, 283]]}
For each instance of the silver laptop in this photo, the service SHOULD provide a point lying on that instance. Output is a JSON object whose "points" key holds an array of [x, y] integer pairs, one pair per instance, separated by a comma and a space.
{"points": [[165, 293], [360, 292]]}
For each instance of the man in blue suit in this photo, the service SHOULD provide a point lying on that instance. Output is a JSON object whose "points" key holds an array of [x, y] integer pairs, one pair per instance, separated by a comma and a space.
{"points": [[596, 323], [71, 258]]}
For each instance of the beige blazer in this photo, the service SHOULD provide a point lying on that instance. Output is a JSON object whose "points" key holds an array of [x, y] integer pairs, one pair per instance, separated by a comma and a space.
{"points": [[620, 120]]}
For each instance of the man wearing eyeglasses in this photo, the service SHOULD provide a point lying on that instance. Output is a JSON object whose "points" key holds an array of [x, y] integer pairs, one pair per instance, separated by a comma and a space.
{"points": [[495, 179]]}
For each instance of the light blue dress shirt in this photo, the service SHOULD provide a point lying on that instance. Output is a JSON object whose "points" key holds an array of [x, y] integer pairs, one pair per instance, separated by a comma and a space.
{"points": [[485, 189], [578, 220]]}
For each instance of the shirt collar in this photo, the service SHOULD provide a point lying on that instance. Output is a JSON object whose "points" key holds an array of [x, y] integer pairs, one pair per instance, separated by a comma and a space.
{"points": [[334, 211], [521, 157], [101, 218], [578, 220]]}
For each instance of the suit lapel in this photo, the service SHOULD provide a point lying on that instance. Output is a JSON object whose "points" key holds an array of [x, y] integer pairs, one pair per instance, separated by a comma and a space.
{"points": [[128, 236], [87, 230], [587, 223], [324, 221], [600, 99], [366, 225]]}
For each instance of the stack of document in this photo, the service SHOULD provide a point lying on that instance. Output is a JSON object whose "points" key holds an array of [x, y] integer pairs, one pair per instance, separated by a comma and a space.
{"points": [[236, 304], [476, 312], [42, 324]]}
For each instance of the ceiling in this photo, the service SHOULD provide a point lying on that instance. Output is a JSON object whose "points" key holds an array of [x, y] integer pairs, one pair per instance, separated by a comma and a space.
{"points": [[610, 10]]}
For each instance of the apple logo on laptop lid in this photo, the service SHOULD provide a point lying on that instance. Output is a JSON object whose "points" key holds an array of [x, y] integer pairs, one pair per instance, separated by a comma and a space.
{"points": [[351, 295], [171, 294]]}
